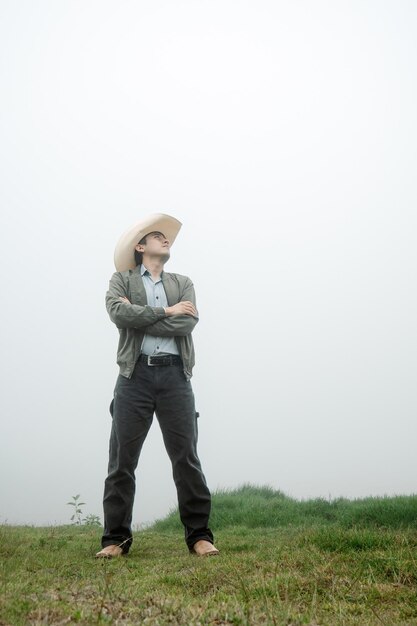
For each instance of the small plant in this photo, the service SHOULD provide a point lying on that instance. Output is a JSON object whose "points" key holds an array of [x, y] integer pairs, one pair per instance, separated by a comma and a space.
{"points": [[91, 520], [76, 518]]}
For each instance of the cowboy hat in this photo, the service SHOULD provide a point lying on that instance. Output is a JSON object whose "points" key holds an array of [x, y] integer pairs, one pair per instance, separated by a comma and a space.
{"points": [[124, 254]]}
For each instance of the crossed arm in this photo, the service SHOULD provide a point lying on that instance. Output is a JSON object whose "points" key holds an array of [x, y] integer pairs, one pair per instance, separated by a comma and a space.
{"points": [[182, 316], [177, 320]]}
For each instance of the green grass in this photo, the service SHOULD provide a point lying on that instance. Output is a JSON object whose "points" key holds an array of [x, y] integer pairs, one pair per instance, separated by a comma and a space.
{"points": [[311, 569], [256, 507]]}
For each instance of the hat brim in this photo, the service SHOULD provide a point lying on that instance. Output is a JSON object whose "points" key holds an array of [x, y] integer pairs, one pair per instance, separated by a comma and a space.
{"points": [[124, 254]]}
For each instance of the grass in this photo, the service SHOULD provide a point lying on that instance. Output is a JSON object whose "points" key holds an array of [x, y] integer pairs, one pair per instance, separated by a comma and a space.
{"points": [[257, 507], [316, 571]]}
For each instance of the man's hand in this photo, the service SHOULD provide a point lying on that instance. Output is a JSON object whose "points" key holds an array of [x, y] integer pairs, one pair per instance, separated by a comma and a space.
{"points": [[125, 300], [182, 308]]}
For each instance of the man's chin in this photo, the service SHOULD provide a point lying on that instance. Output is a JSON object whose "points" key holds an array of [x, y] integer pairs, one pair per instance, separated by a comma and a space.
{"points": [[165, 257]]}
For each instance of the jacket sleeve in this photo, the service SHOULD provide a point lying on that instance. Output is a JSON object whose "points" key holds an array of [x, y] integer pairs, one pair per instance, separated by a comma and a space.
{"points": [[126, 315], [176, 325]]}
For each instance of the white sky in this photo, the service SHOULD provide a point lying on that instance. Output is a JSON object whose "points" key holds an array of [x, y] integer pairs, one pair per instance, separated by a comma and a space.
{"points": [[283, 135]]}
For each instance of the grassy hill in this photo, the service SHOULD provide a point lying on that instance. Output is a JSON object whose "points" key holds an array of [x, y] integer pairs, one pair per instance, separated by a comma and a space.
{"points": [[264, 507], [282, 562]]}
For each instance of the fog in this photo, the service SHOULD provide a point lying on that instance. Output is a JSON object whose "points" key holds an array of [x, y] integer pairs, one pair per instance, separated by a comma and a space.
{"points": [[283, 136]]}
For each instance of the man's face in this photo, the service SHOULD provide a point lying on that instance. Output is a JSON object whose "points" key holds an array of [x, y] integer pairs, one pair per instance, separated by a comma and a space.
{"points": [[156, 245]]}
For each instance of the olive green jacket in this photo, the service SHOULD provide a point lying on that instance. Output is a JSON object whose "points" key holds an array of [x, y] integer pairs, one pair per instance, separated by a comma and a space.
{"points": [[137, 318]]}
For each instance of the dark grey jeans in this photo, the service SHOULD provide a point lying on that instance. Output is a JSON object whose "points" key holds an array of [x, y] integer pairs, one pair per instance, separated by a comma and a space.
{"points": [[162, 390]]}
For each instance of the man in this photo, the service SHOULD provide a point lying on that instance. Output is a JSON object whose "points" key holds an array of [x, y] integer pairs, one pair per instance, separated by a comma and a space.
{"points": [[155, 313]]}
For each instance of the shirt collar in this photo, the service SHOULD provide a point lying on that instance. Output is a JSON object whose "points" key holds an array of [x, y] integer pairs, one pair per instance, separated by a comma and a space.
{"points": [[144, 271]]}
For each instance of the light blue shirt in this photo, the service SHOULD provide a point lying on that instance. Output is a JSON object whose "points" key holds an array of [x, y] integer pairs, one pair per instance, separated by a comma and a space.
{"points": [[156, 296]]}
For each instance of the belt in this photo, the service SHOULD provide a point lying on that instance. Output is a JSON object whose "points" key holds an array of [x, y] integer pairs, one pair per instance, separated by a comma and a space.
{"points": [[160, 360]]}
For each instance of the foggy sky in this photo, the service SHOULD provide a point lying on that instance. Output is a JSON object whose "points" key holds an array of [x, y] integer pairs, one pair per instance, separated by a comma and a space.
{"points": [[283, 135]]}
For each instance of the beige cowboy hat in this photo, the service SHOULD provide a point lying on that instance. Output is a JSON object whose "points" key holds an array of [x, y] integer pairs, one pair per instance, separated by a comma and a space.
{"points": [[124, 254]]}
